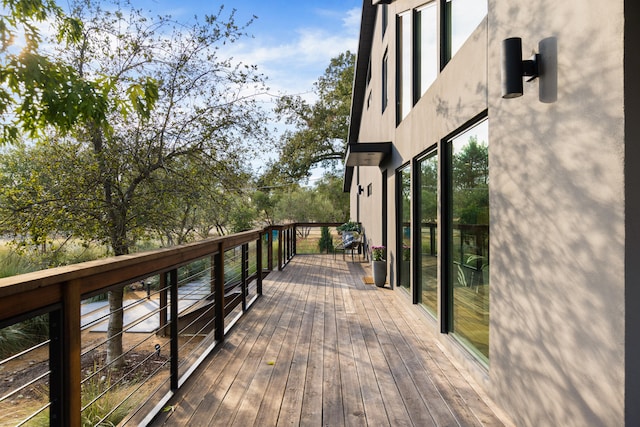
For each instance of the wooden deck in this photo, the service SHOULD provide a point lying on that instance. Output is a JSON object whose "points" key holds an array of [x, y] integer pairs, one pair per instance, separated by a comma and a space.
{"points": [[322, 348]]}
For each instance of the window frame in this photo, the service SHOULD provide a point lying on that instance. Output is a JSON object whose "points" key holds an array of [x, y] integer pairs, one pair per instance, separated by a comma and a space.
{"points": [[408, 167], [429, 153], [404, 52], [447, 245], [418, 89]]}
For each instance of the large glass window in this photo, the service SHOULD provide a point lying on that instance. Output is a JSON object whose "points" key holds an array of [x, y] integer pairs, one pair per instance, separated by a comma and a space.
{"points": [[461, 19], [469, 237], [426, 34], [403, 249], [428, 225], [404, 75]]}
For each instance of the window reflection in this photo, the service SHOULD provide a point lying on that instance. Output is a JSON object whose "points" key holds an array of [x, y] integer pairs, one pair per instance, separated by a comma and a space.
{"points": [[461, 17], [470, 237], [404, 227], [404, 71], [427, 50], [428, 282]]}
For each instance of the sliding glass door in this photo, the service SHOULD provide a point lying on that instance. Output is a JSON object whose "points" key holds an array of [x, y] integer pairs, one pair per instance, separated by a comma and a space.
{"points": [[427, 200], [403, 249], [468, 237]]}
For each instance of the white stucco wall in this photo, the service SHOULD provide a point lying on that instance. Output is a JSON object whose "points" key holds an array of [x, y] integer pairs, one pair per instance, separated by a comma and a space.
{"points": [[557, 217], [557, 200]]}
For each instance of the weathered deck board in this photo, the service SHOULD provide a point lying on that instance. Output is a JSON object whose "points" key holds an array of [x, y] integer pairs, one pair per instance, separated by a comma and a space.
{"points": [[323, 348]]}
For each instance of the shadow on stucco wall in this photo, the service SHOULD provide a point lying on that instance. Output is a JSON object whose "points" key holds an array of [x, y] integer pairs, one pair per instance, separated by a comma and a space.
{"points": [[557, 219]]}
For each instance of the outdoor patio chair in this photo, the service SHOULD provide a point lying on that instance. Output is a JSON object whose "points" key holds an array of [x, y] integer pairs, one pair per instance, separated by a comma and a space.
{"points": [[351, 241]]}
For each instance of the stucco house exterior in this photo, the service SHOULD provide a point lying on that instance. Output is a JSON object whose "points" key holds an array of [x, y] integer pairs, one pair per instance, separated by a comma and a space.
{"points": [[514, 221]]}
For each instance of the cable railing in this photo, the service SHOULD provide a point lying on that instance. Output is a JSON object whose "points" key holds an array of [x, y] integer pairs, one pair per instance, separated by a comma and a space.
{"points": [[108, 342]]}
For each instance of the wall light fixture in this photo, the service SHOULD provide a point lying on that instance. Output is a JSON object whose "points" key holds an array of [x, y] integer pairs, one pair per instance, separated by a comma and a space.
{"points": [[514, 68]]}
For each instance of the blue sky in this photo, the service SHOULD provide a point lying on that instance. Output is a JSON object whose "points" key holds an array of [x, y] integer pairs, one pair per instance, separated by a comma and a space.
{"points": [[294, 40]]}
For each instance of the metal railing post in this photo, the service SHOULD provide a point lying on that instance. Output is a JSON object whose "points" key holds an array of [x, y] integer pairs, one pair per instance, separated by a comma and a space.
{"points": [[259, 265], [295, 240], [173, 279], [270, 249], [218, 262], [244, 261], [280, 249]]}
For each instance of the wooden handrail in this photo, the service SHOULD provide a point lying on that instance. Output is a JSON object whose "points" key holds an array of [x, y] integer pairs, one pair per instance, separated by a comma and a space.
{"points": [[33, 291], [59, 292]]}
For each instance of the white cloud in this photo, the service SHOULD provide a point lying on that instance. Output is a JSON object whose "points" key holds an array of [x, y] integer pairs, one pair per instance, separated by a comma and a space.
{"points": [[351, 20], [292, 67]]}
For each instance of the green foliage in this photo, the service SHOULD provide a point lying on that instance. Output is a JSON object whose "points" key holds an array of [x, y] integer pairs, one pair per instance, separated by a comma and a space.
{"points": [[108, 401], [242, 218], [429, 189], [377, 253], [325, 244], [321, 129], [471, 165], [36, 89], [471, 183], [12, 264], [349, 226], [323, 203], [21, 336], [174, 144], [265, 205]]}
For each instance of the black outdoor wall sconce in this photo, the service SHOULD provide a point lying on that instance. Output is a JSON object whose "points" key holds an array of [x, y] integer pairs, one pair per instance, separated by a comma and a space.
{"points": [[514, 68]]}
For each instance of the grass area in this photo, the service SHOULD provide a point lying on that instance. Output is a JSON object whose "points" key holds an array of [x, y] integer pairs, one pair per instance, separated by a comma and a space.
{"points": [[14, 262], [23, 335]]}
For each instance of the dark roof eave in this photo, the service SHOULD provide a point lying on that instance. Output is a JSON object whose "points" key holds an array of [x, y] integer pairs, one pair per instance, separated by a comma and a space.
{"points": [[363, 154], [347, 179], [367, 26], [367, 153]]}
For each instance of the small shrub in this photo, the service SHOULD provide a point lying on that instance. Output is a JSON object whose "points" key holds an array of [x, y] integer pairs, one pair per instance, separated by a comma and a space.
{"points": [[325, 243]]}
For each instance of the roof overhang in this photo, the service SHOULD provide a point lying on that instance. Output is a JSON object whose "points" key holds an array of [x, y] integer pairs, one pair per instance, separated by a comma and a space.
{"points": [[363, 154], [367, 26], [367, 153]]}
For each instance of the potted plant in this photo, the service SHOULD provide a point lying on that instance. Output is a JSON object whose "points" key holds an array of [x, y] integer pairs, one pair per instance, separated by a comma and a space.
{"points": [[378, 265], [349, 226]]}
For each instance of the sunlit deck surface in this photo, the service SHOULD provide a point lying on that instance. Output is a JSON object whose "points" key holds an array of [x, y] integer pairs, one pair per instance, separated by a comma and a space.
{"points": [[324, 348]]}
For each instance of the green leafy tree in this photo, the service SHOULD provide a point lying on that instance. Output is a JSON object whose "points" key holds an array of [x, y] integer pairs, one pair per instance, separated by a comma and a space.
{"points": [[429, 190], [39, 91], [172, 103], [471, 183], [329, 187], [265, 202], [320, 134], [242, 217], [325, 202], [202, 112]]}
